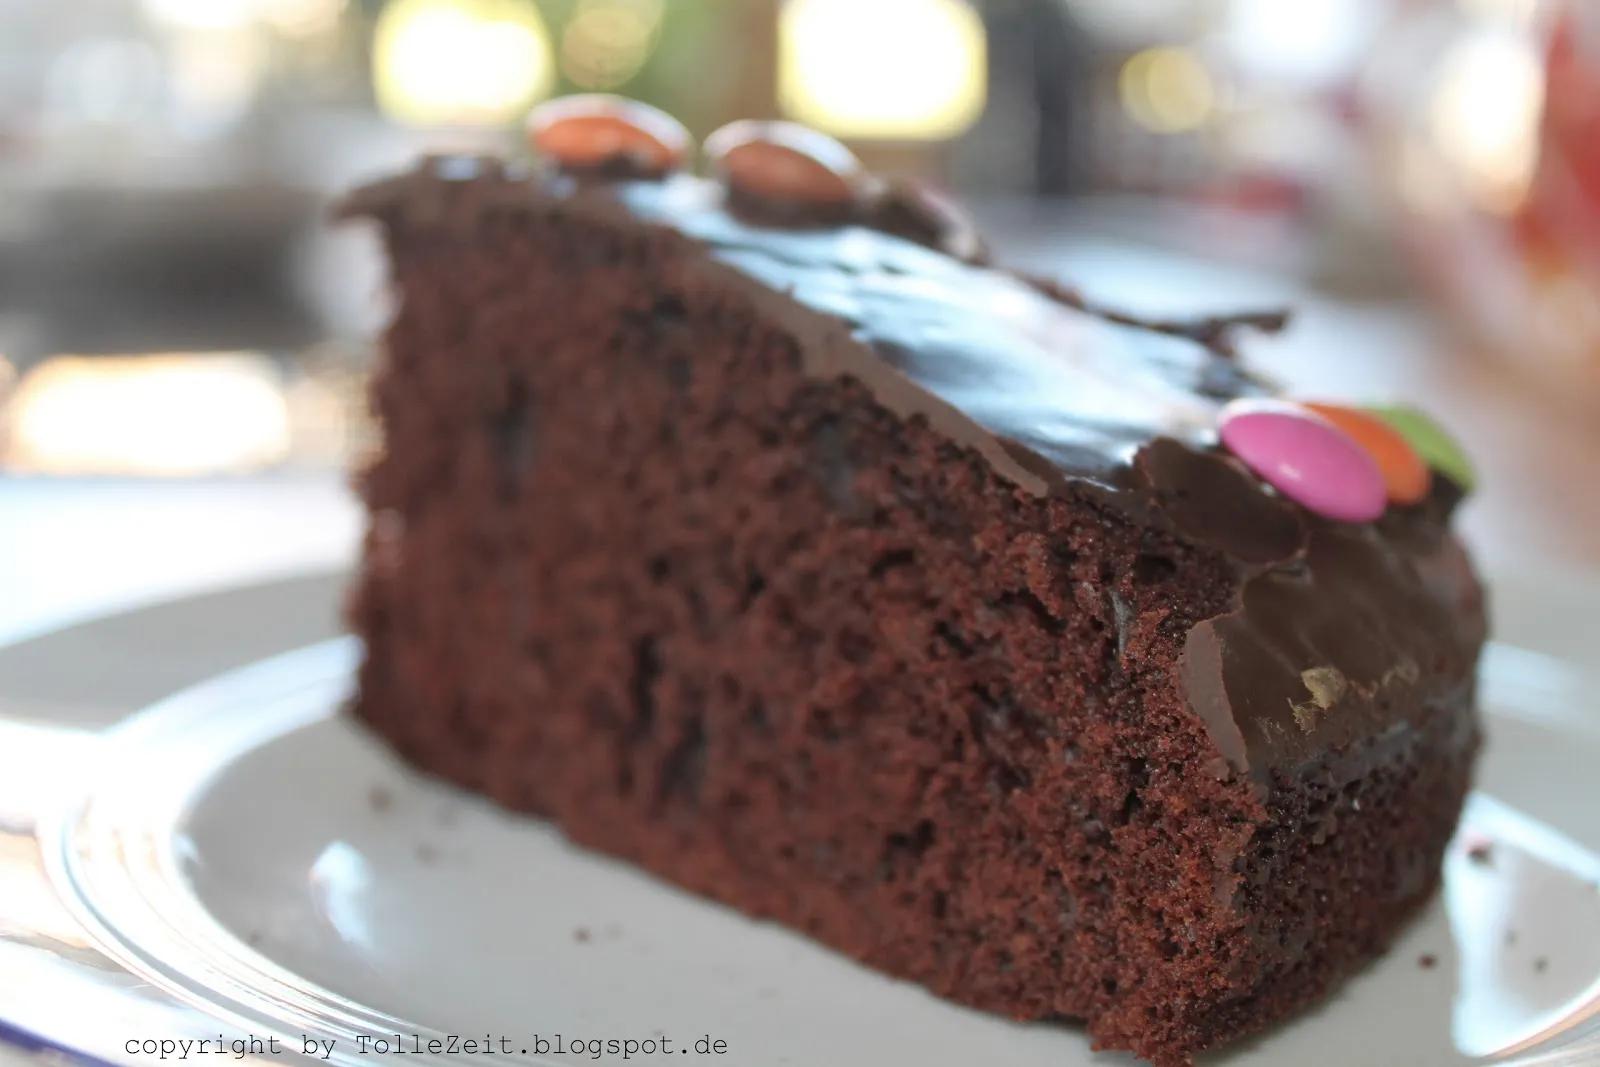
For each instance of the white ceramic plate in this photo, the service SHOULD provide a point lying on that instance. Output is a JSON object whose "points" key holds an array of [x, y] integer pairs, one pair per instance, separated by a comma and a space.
{"points": [[237, 861]]}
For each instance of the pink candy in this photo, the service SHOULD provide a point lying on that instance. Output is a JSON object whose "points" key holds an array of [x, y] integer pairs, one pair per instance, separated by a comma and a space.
{"points": [[1304, 457]]}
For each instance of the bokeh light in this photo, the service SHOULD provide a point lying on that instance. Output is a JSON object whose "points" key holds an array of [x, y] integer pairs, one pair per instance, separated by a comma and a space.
{"points": [[606, 42], [460, 62], [889, 69], [1166, 90], [1484, 116], [1303, 44], [163, 415]]}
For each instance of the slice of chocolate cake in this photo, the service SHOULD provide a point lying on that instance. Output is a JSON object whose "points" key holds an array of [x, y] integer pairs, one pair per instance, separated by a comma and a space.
{"points": [[754, 529]]}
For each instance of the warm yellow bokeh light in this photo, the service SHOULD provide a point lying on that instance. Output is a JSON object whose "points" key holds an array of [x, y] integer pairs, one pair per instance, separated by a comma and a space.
{"points": [[166, 415], [606, 42], [884, 69], [1484, 116], [460, 62], [1167, 90]]}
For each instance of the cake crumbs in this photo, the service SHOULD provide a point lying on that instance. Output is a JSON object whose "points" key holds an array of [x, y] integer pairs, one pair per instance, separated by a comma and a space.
{"points": [[1482, 854], [582, 935], [427, 854], [1427, 961], [1541, 965], [1327, 686], [1511, 937], [379, 799]]}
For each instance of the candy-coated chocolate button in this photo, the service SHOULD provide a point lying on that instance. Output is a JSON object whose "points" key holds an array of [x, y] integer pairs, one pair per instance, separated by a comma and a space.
{"points": [[1304, 457], [784, 163], [911, 209], [1405, 475], [1432, 442], [597, 130]]}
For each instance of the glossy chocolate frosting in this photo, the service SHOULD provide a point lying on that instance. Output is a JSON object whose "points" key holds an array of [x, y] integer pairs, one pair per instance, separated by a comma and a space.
{"points": [[1338, 635]]}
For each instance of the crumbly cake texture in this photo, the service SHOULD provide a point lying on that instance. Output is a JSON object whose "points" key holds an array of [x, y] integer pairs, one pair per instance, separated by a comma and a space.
{"points": [[898, 600]]}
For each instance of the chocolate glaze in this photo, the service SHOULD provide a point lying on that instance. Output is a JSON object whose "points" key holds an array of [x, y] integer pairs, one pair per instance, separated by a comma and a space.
{"points": [[1338, 635]]}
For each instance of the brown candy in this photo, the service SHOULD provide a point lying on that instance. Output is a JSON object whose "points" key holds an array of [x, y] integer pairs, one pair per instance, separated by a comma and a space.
{"points": [[600, 132], [785, 164], [913, 210]]}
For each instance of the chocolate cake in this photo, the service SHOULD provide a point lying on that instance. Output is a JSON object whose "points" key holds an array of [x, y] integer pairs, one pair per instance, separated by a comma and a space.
{"points": [[758, 530]]}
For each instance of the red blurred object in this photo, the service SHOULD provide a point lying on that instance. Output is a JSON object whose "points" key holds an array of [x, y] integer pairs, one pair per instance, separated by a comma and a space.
{"points": [[1566, 192], [1488, 124]]}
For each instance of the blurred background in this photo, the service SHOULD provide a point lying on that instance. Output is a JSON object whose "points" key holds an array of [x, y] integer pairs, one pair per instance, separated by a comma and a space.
{"points": [[183, 338]]}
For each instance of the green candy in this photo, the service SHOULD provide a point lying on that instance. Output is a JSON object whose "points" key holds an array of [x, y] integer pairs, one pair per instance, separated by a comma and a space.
{"points": [[1433, 442]]}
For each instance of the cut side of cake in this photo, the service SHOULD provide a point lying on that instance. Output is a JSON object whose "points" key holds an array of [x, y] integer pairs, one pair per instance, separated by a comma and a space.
{"points": [[899, 599]]}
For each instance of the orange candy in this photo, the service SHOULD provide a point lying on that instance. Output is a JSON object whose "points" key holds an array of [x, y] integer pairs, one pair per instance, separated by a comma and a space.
{"points": [[1405, 475], [596, 130]]}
